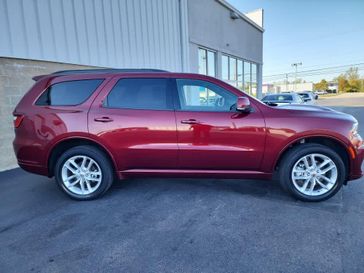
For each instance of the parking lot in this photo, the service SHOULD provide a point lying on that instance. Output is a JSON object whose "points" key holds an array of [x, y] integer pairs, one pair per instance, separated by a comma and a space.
{"points": [[181, 225]]}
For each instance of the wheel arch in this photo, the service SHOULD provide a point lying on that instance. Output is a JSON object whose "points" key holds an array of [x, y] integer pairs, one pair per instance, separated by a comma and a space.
{"points": [[65, 144], [337, 145]]}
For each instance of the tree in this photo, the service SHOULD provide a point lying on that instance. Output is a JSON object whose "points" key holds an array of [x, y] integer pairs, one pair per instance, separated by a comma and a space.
{"points": [[353, 80], [322, 85], [342, 83], [350, 81]]}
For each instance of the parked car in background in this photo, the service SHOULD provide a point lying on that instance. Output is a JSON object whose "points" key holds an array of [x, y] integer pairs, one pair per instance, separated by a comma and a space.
{"points": [[89, 127], [315, 96], [320, 92], [307, 97], [282, 99]]}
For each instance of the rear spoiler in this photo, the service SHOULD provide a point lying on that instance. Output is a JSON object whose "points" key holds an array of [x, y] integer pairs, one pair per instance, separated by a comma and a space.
{"points": [[37, 78]]}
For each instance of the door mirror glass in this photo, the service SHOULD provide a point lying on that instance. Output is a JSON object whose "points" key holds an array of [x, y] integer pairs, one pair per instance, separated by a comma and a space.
{"points": [[243, 104]]}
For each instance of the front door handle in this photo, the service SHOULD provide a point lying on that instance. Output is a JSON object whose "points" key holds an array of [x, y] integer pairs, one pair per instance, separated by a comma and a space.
{"points": [[103, 119], [190, 121]]}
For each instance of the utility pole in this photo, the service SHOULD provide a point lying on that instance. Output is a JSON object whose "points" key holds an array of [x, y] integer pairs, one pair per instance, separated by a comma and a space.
{"points": [[286, 82], [295, 65]]}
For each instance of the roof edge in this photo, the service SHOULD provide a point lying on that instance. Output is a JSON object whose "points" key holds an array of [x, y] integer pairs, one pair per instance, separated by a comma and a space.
{"points": [[241, 15]]}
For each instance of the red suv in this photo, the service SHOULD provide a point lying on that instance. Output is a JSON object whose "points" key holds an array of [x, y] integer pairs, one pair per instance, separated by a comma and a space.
{"points": [[90, 127]]}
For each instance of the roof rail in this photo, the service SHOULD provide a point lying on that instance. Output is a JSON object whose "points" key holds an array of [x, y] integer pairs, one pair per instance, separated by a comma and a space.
{"points": [[106, 70], [101, 71]]}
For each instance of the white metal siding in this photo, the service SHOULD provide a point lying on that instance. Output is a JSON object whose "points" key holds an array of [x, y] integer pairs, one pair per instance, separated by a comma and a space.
{"points": [[110, 33]]}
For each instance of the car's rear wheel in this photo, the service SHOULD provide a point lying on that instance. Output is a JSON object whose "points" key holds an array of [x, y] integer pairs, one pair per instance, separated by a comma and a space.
{"points": [[312, 172], [84, 172]]}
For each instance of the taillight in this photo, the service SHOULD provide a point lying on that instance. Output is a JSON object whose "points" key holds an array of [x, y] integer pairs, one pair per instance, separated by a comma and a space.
{"points": [[18, 120]]}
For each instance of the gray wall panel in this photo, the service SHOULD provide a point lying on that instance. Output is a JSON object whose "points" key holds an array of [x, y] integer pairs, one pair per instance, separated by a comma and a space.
{"points": [[110, 33], [210, 25]]}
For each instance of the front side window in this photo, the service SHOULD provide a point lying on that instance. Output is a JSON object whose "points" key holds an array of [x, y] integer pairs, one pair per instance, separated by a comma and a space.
{"points": [[197, 95], [136, 93], [69, 93]]}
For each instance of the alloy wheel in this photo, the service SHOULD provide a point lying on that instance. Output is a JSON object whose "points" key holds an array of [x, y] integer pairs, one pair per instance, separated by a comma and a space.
{"points": [[314, 174], [81, 175]]}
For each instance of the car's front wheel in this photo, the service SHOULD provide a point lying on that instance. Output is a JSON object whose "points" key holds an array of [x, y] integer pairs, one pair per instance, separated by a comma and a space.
{"points": [[84, 172], [312, 172]]}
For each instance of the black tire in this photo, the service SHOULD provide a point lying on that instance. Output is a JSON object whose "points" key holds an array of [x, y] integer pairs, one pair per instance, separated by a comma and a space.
{"points": [[292, 156], [99, 157]]}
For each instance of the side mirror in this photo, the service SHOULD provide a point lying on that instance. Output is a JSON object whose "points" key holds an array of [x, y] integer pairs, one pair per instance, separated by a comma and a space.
{"points": [[243, 105]]}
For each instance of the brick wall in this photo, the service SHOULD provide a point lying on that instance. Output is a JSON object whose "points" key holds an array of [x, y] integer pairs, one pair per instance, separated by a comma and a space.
{"points": [[15, 80]]}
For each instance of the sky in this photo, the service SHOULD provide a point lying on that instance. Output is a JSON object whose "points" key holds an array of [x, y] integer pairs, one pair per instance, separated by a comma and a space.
{"points": [[319, 34]]}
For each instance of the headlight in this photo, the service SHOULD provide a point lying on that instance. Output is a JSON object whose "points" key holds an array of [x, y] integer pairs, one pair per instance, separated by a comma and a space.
{"points": [[355, 138]]}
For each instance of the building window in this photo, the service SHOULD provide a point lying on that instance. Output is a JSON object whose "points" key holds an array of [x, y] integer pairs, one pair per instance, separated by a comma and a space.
{"points": [[232, 70], [247, 77], [254, 79], [240, 75], [206, 62], [225, 67]]}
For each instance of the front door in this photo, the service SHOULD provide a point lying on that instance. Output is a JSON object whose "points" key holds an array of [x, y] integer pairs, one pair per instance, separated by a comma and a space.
{"points": [[134, 118], [212, 135]]}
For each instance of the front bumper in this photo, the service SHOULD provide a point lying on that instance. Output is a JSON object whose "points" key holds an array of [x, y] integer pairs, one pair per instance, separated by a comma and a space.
{"points": [[356, 170]]}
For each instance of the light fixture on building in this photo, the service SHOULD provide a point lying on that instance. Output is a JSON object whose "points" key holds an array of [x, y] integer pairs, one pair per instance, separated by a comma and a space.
{"points": [[234, 15]]}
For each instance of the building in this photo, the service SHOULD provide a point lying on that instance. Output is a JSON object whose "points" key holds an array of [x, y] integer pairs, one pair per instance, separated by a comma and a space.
{"points": [[333, 87], [205, 36]]}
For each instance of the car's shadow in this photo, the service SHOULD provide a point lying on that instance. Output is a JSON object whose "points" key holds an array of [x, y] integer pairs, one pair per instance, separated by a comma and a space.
{"points": [[255, 188], [259, 189]]}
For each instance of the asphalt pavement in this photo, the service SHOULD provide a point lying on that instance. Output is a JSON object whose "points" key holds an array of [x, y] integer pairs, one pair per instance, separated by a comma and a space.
{"points": [[181, 225]]}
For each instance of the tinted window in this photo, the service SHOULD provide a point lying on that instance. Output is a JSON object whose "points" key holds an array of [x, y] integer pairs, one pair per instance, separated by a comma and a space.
{"points": [[197, 95], [278, 98], [304, 95], [140, 94], [68, 93]]}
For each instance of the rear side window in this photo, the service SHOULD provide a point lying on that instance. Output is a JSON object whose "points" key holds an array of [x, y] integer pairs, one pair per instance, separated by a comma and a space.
{"points": [[68, 93], [149, 94]]}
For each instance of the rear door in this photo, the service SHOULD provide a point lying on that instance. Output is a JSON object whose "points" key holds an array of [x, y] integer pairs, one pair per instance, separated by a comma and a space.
{"points": [[134, 118]]}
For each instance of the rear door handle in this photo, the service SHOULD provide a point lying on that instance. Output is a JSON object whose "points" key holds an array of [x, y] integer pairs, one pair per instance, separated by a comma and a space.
{"points": [[190, 121], [103, 119]]}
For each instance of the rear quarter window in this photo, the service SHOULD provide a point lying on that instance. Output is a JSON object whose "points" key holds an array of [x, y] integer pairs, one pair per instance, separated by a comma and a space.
{"points": [[69, 93]]}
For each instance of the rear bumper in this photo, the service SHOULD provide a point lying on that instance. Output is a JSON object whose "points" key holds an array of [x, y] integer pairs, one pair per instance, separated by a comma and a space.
{"points": [[30, 155], [33, 168]]}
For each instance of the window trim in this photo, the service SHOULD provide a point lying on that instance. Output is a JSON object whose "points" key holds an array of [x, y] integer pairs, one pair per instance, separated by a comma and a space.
{"points": [[170, 94], [102, 84]]}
